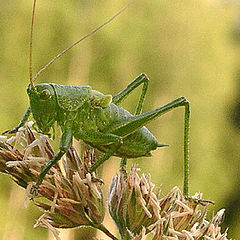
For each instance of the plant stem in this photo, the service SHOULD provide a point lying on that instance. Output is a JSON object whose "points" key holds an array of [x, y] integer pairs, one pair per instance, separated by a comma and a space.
{"points": [[126, 236], [104, 229]]}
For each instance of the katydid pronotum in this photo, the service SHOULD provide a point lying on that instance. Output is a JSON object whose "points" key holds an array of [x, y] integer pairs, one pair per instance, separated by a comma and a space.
{"points": [[96, 118]]}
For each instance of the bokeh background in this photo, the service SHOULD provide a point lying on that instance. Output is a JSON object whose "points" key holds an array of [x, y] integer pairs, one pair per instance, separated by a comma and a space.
{"points": [[188, 48]]}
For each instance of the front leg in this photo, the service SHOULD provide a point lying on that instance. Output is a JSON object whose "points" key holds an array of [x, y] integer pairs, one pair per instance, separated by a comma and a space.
{"points": [[65, 143], [22, 122]]}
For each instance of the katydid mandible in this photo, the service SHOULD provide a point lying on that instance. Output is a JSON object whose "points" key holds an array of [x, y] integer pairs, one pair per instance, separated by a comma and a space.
{"points": [[97, 119]]}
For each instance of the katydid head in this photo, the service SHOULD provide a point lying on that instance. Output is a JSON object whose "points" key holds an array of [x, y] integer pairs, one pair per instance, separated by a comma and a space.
{"points": [[43, 104]]}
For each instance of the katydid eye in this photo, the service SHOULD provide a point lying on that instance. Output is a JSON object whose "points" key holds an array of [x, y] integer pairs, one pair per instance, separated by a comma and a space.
{"points": [[45, 94]]}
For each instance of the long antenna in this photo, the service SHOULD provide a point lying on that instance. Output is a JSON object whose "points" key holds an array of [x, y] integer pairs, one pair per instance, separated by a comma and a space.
{"points": [[81, 39], [31, 43]]}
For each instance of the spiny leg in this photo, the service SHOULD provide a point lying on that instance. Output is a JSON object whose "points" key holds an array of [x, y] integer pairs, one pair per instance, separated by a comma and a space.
{"points": [[65, 143], [22, 122], [45, 170], [142, 78], [136, 122], [99, 138], [105, 157], [145, 81], [117, 99]]}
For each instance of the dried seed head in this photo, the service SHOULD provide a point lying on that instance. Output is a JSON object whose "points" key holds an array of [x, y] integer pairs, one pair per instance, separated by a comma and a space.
{"points": [[71, 197], [137, 211], [132, 203]]}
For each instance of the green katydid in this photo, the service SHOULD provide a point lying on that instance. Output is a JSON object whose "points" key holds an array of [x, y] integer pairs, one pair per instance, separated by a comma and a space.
{"points": [[97, 119]]}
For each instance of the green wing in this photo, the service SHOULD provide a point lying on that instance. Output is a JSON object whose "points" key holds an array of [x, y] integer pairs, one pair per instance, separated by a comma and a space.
{"points": [[70, 98]]}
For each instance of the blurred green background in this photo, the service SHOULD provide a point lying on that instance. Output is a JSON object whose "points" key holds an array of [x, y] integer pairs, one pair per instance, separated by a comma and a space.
{"points": [[188, 48]]}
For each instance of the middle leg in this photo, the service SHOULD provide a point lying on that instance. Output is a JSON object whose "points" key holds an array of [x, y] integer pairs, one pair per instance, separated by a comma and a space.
{"points": [[142, 78]]}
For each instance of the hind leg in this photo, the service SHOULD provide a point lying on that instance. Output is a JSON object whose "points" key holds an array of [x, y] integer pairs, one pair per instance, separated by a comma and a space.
{"points": [[142, 119], [132, 124]]}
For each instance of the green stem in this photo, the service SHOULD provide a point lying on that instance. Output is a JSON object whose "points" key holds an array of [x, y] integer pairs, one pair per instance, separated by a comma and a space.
{"points": [[123, 167], [126, 237], [125, 234], [102, 228]]}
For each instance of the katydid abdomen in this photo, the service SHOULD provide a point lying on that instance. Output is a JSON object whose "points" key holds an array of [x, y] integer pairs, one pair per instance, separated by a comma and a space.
{"points": [[108, 120], [138, 144]]}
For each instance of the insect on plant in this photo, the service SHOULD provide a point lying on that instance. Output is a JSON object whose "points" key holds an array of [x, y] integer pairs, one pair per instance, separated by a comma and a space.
{"points": [[97, 119]]}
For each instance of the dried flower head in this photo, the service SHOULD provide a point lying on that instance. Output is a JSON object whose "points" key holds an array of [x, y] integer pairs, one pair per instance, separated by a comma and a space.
{"points": [[71, 197], [137, 211]]}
